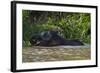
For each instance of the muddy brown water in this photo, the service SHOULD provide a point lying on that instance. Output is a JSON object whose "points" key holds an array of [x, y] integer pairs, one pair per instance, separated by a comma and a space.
{"points": [[56, 53]]}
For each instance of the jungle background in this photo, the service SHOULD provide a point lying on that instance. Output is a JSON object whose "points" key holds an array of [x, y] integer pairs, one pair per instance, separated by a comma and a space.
{"points": [[70, 25]]}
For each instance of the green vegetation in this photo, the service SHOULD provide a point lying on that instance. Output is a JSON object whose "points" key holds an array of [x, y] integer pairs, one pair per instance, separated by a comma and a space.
{"points": [[70, 25]]}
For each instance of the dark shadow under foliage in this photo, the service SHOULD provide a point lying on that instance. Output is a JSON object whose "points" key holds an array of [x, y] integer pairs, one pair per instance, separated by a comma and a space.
{"points": [[51, 38]]}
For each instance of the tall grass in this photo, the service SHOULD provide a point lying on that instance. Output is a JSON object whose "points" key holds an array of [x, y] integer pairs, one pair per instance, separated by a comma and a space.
{"points": [[69, 25]]}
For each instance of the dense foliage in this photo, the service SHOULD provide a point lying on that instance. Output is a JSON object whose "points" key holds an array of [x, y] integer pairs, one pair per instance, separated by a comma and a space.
{"points": [[69, 25]]}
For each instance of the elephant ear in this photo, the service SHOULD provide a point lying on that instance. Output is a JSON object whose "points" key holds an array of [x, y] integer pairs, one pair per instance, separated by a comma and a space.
{"points": [[46, 35]]}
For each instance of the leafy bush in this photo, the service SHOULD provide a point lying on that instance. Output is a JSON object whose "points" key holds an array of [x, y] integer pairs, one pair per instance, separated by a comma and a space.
{"points": [[69, 25]]}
